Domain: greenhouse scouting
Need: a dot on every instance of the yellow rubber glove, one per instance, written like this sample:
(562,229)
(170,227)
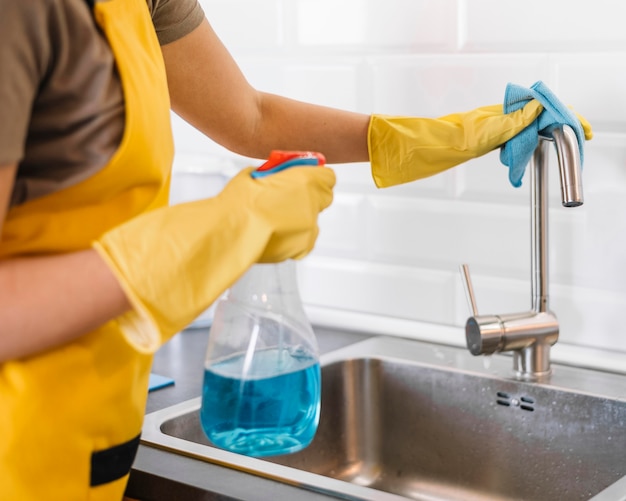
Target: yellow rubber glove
(403,149)
(174,262)
(585,124)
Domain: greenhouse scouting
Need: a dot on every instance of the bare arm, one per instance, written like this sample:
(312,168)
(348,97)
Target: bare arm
(48,301)
(209,91)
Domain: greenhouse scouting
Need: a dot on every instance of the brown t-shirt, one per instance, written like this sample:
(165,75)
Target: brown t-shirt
(61,99)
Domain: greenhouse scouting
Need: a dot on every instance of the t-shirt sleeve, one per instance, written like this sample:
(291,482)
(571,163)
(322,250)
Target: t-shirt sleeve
(24,60)
(173,19)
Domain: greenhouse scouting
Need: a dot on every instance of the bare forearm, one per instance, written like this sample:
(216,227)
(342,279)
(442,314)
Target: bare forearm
(293,125)
(208,90)
(48,301)
(286,124)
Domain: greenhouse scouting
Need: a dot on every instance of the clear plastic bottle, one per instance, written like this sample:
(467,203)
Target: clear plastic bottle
(261,391)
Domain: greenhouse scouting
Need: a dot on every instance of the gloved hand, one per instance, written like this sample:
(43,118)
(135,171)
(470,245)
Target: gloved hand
(517,152)
(403,149)
(175,261)
(587,129)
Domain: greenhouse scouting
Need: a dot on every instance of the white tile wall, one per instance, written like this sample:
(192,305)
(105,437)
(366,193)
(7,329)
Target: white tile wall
(537,25)
(394,253)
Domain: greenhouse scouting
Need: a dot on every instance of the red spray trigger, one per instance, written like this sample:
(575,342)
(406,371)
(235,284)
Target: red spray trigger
(281,160)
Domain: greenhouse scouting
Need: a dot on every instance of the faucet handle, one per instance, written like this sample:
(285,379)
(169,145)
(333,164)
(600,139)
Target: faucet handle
(469,290)
(483,334)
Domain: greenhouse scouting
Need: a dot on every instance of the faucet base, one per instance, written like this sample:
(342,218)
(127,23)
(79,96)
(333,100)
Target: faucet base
(532,363)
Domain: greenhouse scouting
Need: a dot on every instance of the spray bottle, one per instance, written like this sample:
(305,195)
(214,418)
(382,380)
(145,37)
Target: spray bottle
(262,383)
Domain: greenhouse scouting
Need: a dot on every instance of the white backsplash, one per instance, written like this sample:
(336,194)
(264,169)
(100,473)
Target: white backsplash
(394,254)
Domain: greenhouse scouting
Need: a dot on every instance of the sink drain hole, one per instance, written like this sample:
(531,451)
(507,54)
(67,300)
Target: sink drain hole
(507,400)
(503,399)
(527,404)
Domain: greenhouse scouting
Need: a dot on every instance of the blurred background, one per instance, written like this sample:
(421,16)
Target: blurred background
(387,260)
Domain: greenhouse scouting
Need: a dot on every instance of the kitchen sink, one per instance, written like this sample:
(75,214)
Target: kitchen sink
(403,419)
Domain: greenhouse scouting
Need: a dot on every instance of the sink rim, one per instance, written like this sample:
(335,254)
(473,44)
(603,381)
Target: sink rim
(565,378)
(153,436)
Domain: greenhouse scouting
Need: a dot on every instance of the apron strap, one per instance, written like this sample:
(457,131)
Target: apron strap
(114,463)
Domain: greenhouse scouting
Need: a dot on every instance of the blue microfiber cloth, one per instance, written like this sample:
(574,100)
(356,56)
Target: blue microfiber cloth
(517,152)
(157,381)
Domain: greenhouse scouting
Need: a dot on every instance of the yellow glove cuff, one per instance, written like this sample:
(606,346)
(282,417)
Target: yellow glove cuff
(404,149)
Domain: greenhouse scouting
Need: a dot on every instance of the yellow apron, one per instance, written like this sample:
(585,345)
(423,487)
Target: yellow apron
(70,417)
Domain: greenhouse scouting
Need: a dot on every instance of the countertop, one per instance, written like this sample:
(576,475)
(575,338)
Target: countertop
(160,475)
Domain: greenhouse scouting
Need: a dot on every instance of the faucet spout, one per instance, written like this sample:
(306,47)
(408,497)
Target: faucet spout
(568,156)
(530,335)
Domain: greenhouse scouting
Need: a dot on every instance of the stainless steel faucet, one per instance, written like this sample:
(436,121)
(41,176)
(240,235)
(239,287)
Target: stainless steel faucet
(530,334)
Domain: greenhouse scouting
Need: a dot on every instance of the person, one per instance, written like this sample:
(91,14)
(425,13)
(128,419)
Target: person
(96,271)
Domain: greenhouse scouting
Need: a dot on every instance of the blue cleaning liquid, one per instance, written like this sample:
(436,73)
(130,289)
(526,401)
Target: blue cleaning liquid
(271,412)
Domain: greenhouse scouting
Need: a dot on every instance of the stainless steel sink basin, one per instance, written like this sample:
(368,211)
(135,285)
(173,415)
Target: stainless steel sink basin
(403,419)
